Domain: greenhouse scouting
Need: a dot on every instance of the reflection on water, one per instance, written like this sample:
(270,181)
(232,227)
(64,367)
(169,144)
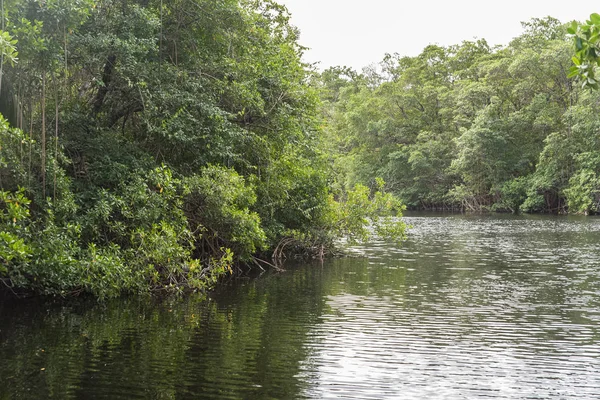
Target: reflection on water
(469,307)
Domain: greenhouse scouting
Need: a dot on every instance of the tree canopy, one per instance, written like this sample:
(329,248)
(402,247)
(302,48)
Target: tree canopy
(474,127)
(151,145)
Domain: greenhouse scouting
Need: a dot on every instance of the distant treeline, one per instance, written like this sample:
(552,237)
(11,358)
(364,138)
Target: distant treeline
(472,127)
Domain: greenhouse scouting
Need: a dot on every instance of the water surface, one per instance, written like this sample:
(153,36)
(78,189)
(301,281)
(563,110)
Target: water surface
(495,307)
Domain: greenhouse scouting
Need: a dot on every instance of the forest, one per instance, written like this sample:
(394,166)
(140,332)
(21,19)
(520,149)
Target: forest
(475,128)
(157,146)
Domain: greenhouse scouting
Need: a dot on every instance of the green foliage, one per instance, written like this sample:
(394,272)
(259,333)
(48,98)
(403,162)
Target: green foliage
(513,194)
(156,144)
(14,212)
(217,204)
(467,127)
(8,49)
(583,193)
(587,50)
(359,216)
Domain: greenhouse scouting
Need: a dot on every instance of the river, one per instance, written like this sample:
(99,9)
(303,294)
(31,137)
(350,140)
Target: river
(491,307)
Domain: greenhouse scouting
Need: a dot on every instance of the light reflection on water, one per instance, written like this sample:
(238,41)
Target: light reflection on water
(495,307)
(470,307)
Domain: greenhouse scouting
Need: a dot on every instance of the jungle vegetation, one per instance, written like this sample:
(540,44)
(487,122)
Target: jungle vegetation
(149,145)
(474,127)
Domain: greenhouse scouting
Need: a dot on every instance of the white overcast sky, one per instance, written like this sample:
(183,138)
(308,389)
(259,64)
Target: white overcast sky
(357,33)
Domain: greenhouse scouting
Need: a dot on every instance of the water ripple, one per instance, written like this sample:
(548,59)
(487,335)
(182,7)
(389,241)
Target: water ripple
(493,308)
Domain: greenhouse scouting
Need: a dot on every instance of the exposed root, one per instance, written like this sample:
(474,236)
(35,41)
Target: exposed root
(9,288)
(258,262)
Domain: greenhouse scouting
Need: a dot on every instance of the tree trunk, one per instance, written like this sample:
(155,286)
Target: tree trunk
(106,78)
(44,133)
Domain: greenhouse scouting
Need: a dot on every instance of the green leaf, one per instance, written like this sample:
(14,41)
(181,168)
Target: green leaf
(576,61)
(578,44)
(595,18)
(573,28)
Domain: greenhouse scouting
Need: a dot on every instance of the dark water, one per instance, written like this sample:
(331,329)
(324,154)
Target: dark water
(469,307)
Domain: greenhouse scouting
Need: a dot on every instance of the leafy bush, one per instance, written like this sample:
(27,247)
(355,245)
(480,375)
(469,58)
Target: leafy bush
(217,205)
(14,213)
(513,194)
(358,217)
(583,193)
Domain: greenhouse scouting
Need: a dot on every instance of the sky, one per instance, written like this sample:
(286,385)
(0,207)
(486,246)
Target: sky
(358,33)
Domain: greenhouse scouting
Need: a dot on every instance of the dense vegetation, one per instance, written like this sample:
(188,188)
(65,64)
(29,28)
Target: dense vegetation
(151,145)
(475,127)
(159,145)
